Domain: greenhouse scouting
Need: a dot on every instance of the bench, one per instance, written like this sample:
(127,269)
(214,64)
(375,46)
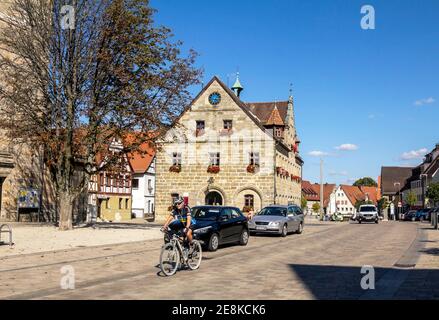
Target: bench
(9,230)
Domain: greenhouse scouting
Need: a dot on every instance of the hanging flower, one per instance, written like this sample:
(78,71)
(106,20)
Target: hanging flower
(213,169)
(175,168)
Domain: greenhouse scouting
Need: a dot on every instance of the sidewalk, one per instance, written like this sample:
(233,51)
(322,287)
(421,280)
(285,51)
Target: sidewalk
(33,238)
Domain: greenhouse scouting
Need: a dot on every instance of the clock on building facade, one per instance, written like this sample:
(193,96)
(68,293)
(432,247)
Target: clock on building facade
(215,99)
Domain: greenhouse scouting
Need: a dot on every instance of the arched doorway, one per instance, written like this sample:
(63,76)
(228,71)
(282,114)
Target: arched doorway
(214,198)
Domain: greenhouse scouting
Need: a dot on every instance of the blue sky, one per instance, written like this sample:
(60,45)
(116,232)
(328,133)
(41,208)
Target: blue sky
(376,89)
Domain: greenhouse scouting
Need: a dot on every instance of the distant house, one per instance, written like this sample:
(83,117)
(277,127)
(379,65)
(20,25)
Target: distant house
(110,190)
(393,182)
(421,177)
(311,192)
(143,181)
(345,197)
(311,195)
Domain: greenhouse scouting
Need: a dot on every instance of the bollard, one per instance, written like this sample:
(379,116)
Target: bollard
(435,220)
(8,231)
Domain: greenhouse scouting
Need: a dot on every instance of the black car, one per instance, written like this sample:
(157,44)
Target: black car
(219,225)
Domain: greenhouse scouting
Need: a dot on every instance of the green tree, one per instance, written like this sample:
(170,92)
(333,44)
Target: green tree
(316,207)
(303,203)
(365,182)
(382,204)
(411,199)
(433,193)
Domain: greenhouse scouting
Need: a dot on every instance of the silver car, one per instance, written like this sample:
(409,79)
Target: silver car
(277,219)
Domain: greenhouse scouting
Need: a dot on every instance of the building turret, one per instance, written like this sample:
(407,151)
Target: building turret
(237,87)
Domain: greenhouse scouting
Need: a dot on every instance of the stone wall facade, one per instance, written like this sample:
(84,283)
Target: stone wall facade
(233,183)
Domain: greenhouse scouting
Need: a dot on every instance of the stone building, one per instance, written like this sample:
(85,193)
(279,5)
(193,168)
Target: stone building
(227,152)
(20,167)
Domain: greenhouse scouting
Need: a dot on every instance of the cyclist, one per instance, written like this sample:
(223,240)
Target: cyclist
(181,218)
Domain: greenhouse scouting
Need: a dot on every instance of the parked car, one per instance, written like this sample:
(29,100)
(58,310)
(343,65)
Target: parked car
(423,214)
(278,219)
(216,225)
(410,216)
(367,213)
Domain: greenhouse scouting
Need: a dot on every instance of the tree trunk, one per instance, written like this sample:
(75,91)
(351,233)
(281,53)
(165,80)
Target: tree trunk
(65,211)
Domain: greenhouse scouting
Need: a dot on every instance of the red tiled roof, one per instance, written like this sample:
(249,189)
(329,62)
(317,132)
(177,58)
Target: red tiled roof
(308,192)
(355,194)
(275,118)
(264,110)
(327,190)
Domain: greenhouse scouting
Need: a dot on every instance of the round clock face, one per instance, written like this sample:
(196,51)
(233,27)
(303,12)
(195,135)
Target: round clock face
(215,99)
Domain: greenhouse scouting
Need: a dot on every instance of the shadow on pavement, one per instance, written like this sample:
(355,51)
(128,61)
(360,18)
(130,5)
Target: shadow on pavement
(344,282)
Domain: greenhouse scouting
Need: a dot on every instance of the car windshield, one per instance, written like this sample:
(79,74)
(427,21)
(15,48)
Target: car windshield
(205,213)
(273,212)
(367,209)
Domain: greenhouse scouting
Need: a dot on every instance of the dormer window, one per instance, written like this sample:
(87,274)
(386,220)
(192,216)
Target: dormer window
(278,132)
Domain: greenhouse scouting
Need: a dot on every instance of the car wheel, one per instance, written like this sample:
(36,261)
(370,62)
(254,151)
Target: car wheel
(300,228)
(243,240)
(376,221)
(284,231)
(359,221)
(414,219)
(213,242)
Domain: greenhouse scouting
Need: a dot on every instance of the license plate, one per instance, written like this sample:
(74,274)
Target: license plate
(261,228)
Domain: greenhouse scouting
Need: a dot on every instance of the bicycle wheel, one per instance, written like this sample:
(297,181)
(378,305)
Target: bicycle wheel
(194,256)
(169,259)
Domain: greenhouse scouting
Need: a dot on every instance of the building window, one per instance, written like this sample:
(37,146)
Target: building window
(176,159)
(249,200)
(149,185)
(120,203)
(200,126)
(214,159)
(278,132)
(127,203)
(107,205)
(135,183)
(254,158)
(228,124)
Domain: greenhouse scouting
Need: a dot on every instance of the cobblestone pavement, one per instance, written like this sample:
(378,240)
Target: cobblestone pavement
(323,263)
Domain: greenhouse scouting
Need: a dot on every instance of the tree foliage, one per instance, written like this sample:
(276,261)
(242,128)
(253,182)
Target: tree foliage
(433,193)
(114,75)
(411,198)
(365,182)
(303,203)
(316,207)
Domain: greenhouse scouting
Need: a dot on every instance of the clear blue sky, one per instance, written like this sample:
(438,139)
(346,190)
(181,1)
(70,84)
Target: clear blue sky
(351,86)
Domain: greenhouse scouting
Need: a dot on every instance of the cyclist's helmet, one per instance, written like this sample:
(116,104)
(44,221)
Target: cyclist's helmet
(178,200)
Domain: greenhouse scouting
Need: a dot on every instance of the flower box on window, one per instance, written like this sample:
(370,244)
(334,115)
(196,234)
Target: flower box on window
(175,168)
(251,168)
(279,170)
(213,169)
(226,132)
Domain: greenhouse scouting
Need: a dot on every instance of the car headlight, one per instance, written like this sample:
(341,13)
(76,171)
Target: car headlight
(202,230)
(274,224)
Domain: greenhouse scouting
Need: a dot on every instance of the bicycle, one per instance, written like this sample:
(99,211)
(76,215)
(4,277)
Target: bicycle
(174,254)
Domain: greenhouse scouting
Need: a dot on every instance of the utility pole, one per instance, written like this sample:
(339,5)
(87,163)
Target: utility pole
(321,189)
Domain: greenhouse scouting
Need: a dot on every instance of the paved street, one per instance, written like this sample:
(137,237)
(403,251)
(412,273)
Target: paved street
(322,263)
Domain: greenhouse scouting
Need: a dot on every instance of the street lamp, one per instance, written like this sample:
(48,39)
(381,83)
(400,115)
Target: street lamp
(399,196)
(423,188)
